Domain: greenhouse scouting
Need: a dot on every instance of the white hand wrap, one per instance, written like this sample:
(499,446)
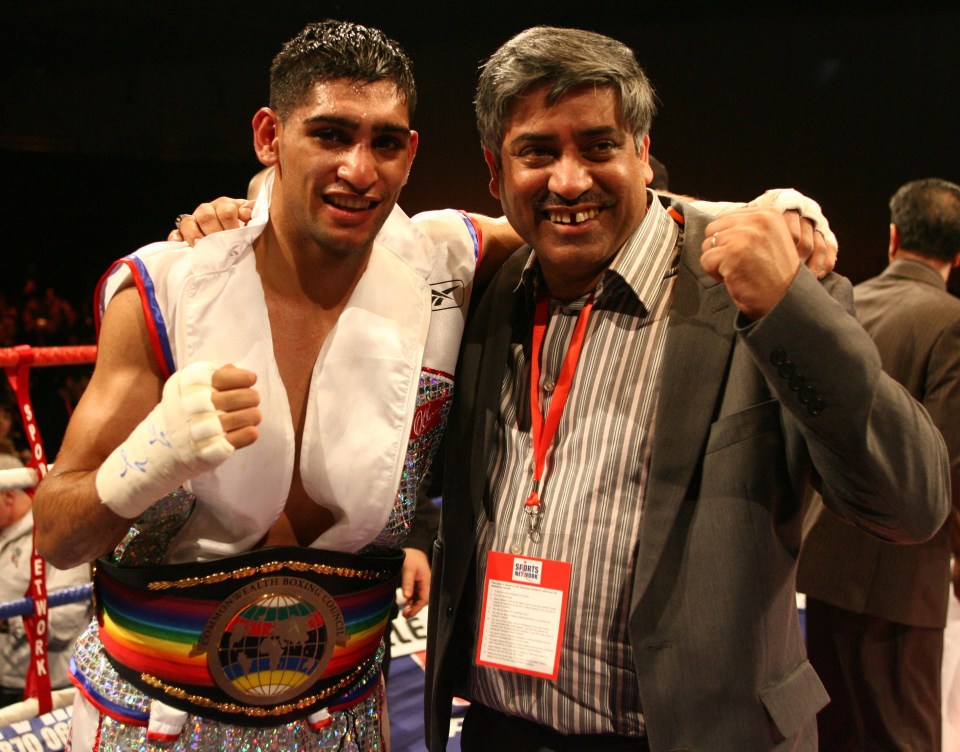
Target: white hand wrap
(787,199)
(180,438)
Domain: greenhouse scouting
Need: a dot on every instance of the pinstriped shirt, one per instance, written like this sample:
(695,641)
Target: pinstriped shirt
(593,482)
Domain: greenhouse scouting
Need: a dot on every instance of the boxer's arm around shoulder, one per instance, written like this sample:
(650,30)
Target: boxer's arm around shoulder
(500,241)
(72,525)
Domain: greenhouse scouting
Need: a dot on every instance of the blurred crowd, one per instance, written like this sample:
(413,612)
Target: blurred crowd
(38,315)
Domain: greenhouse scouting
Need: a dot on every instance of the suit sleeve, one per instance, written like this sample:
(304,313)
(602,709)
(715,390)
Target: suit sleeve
(941,399)
(942,390)
(878,458)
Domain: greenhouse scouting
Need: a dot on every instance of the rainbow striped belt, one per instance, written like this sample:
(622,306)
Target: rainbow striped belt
(265,637)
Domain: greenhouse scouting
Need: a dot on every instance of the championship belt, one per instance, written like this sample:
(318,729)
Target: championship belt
(262,638)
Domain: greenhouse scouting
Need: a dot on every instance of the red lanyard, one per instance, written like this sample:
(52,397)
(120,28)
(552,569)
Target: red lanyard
(544,428)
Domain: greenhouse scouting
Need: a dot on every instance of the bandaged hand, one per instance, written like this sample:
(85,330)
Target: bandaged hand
(814,240)
(788,199)
(816,244)
(204,415)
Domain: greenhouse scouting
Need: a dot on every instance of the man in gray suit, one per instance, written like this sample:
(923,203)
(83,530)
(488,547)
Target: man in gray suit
(876,611)
(644,404)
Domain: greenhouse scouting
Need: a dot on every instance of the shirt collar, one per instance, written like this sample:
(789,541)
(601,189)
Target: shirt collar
(909,268)
(18,529)
(647,257)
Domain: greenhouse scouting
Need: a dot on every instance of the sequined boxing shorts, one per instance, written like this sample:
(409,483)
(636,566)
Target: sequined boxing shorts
(263,638)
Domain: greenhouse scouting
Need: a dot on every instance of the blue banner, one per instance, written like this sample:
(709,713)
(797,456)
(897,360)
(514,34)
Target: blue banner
(48,732)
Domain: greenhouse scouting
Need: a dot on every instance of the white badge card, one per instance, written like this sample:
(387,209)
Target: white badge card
(523,614)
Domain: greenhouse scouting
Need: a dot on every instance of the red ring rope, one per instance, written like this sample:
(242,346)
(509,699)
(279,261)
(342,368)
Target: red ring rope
(16,363)
(47,356)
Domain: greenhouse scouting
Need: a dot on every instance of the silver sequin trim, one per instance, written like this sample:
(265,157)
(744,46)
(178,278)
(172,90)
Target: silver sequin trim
(420,453)
(357,728)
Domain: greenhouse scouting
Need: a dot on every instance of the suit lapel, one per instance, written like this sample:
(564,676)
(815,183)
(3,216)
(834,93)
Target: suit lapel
(699,342)
(507,320)
(701,323)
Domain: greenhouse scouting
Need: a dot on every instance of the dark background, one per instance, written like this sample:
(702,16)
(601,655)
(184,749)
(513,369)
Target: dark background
(119,115)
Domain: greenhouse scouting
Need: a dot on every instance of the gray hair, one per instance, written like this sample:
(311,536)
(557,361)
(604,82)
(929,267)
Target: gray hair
(927,215)
(330,50)
(563,59)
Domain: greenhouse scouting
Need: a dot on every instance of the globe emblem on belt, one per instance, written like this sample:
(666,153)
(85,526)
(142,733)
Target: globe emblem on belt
(271,641)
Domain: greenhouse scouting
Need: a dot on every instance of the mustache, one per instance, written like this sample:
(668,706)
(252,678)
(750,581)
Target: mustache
(553,201)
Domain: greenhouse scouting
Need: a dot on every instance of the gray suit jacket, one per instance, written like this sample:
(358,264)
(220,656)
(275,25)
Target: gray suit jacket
(746,421)
(915,323)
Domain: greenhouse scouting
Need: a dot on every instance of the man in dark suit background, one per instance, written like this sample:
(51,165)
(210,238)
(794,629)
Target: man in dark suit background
(876,611)
(715,382)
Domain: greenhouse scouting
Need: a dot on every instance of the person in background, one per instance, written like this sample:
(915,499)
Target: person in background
(876,611)
(65,622)
(6,429)
(645,402)
(661,177)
